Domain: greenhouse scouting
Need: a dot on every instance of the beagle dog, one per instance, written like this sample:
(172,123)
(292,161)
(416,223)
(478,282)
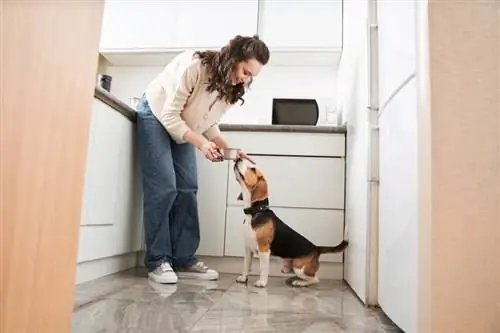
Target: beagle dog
(266,234)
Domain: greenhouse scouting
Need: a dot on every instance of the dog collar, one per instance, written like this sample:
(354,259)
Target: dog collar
(257,207)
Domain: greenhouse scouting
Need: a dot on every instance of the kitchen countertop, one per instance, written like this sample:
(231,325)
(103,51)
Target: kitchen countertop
(131,114)
(120,106)
(281,128)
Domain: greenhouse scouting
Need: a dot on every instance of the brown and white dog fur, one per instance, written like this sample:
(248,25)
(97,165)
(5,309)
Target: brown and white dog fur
(266,234)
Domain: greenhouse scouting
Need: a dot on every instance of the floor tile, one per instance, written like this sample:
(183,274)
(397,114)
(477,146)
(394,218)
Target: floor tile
(129,302)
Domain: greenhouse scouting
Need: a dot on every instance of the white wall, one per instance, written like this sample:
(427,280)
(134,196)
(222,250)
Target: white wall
(353,102)
(273,81)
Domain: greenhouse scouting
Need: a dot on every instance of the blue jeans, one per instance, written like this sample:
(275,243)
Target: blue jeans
(170,185)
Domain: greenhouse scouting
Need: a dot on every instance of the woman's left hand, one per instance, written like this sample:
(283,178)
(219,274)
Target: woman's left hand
(245,156)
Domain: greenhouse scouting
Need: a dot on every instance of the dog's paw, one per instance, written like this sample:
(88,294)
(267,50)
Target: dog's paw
(299,283)
(242,279)
(260,284)
(304,283)
(286,270)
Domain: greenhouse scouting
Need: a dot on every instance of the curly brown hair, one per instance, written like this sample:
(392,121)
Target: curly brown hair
(220,64)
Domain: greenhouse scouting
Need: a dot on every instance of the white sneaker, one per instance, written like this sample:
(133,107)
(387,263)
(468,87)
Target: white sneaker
(198,271)
(163,274)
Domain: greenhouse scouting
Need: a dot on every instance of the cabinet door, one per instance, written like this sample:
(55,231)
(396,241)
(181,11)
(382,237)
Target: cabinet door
(214,23)
(301,182)
(212,192)
(322,227)
(112,196)
(138,24)
(302,23)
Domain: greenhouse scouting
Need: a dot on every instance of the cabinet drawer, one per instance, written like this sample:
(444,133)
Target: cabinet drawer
(298,182)
(322,227)
(289,144)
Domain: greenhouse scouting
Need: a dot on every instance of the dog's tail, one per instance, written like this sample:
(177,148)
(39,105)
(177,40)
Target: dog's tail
(333,249)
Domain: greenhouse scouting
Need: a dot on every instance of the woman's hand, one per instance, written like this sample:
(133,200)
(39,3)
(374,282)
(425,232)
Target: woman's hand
(245,156)
(209,150)
(221,142)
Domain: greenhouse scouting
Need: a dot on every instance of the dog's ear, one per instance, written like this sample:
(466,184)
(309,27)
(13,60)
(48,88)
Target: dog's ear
(240,197)
(250,178)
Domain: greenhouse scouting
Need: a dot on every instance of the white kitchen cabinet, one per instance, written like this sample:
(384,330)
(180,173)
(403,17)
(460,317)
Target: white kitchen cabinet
(130,25)
(300,182)
(102,196)
(301,24)
(306,176)
(112,200)
(307,191)
(151,33)
(212,192)
(214,23)
(161,25)
(322,227)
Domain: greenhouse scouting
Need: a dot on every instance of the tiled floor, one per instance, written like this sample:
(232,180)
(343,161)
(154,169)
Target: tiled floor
(129,303)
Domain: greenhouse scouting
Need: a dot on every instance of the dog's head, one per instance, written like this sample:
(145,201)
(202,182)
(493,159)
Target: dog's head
(251,179)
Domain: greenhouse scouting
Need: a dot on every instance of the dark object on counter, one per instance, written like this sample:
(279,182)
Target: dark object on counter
(104,81)
(295,111)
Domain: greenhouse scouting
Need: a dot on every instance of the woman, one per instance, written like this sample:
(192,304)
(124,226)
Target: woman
(179,113)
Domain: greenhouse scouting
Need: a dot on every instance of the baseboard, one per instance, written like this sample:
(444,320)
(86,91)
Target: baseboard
(90,270)
(234,265)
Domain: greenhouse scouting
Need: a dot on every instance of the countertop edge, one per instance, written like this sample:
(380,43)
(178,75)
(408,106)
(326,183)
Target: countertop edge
(283,128)
(115,103)
(118,105)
